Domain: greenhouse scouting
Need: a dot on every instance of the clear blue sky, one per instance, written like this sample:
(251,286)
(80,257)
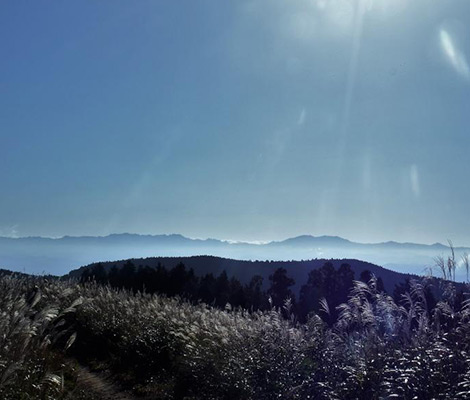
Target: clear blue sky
(245,120)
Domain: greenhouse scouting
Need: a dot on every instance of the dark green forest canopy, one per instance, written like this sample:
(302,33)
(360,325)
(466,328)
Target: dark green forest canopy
(324,289)
(245,270)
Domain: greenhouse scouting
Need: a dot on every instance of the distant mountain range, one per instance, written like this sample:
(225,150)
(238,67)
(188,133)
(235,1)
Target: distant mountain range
(59,256)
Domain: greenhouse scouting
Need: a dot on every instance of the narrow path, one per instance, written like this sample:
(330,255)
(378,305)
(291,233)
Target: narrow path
(99,386)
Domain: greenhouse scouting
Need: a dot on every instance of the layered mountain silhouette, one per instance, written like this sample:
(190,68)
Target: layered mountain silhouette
(59,256)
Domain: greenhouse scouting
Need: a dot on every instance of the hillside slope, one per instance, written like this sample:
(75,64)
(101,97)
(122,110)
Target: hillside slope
(245,270)
(58,256)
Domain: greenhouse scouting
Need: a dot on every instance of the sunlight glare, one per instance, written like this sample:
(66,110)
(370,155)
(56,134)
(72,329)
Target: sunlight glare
(456,58)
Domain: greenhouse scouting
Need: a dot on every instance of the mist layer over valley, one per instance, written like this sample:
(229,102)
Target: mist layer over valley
(59,256)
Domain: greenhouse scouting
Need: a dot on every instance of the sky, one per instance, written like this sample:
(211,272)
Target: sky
(243,120)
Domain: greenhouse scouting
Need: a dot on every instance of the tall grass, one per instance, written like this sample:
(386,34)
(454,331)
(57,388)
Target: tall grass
(166,348)
(33,321)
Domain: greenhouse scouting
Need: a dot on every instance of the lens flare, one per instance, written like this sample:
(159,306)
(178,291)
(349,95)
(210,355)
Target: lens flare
(454,56)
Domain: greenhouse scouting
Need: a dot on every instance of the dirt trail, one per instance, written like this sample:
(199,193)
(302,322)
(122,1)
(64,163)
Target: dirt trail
(99,386)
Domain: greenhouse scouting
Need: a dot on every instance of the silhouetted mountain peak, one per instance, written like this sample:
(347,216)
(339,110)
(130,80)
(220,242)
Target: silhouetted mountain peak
(440,246)
(58,255)
(309,240)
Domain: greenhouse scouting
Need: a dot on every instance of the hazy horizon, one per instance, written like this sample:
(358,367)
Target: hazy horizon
(254,120)
(259,241)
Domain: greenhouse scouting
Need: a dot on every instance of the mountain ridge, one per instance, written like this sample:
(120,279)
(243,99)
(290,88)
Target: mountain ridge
(59,255)
(178,236)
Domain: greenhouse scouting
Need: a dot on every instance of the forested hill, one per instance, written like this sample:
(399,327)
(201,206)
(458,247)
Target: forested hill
(245,270)
(58,256)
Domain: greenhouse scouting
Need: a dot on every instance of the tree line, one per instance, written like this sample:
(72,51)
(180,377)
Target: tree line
(325,289)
